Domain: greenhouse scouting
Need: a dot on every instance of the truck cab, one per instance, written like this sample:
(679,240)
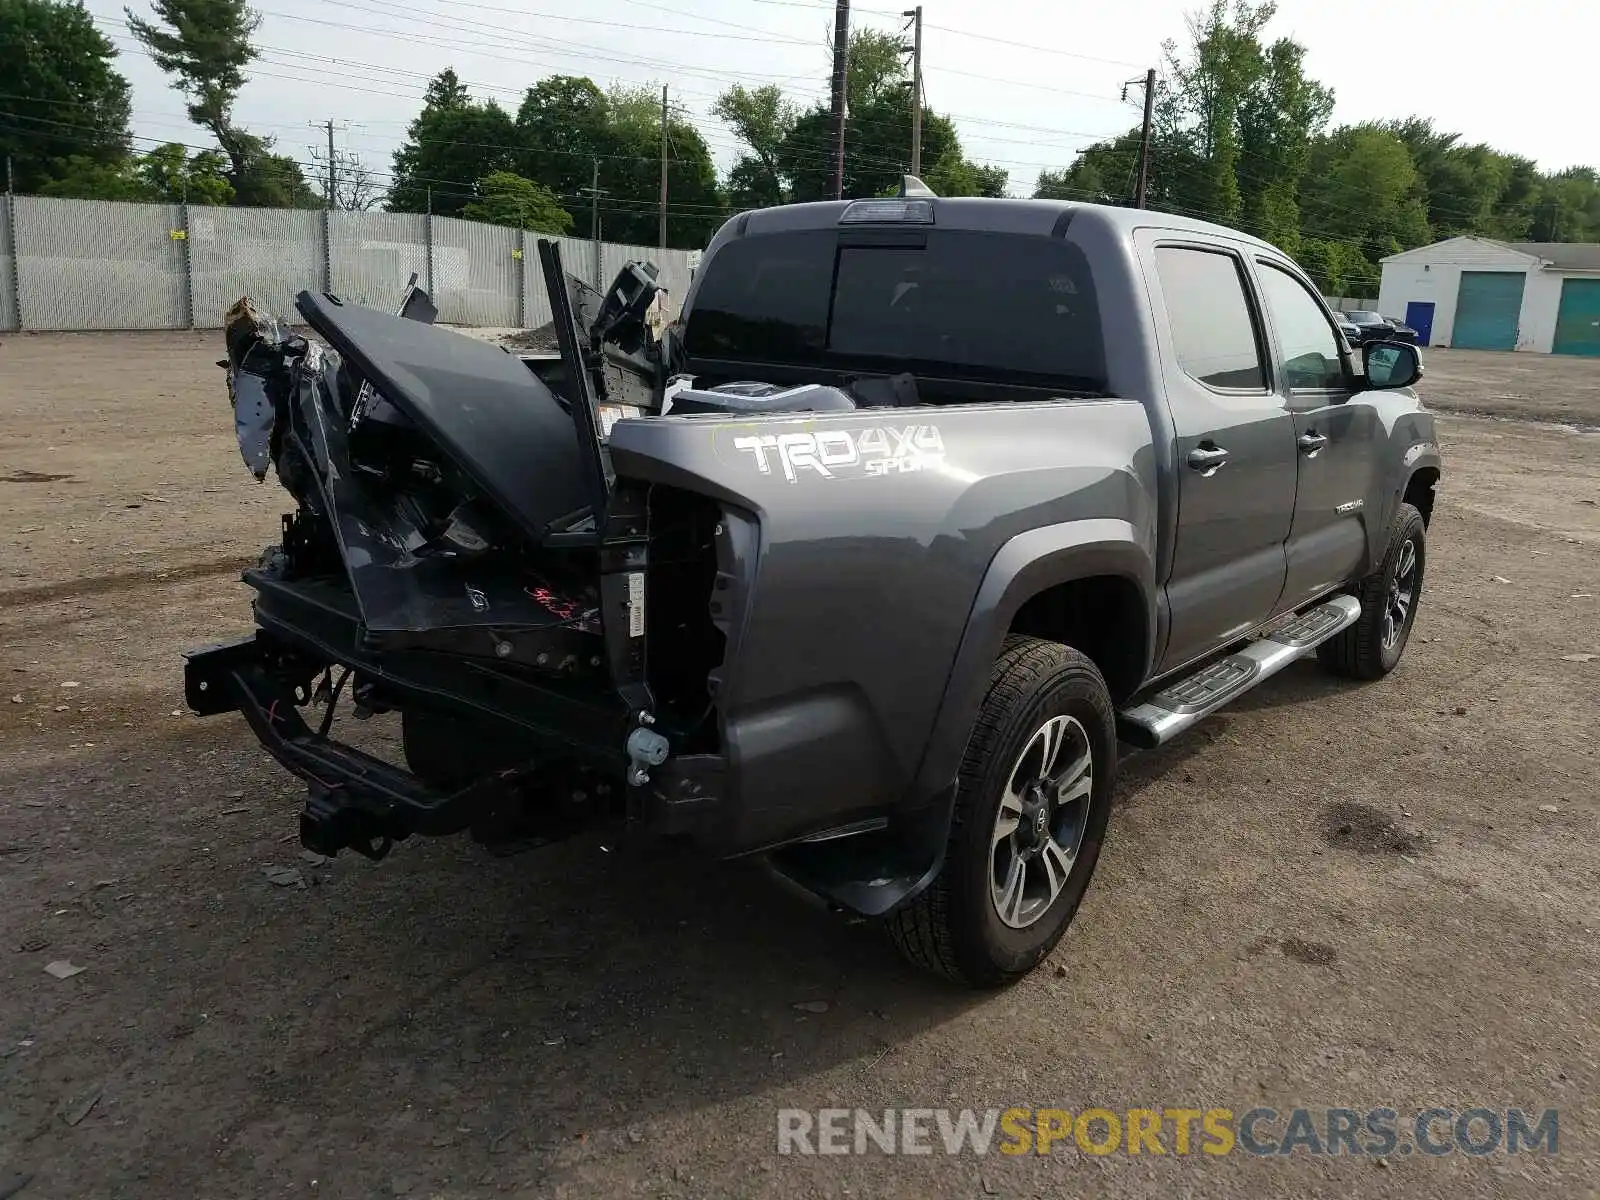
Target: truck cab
(873,565)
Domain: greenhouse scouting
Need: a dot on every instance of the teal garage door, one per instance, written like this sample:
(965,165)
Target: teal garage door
(1578,320)
(1487,308)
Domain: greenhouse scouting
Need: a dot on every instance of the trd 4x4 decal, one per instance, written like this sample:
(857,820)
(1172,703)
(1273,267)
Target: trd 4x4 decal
(836,453)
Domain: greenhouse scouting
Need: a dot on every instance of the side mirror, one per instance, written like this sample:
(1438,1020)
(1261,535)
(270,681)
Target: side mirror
(1391,364)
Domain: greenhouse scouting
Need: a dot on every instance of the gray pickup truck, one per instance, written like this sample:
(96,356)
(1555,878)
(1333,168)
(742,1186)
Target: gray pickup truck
(868,565)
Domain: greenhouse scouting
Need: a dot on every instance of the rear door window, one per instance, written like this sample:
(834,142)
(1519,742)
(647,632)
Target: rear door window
(1213,331)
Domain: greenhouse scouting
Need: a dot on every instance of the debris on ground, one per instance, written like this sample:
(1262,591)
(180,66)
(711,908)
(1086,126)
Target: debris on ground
(81,1109)
(542,339)
(32,943)
(812,1006)
(1579,657)
(1549,808)
(62,968)
(284,877)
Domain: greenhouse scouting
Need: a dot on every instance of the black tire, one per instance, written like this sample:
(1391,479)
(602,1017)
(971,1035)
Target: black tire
(1361,652)
(954,928)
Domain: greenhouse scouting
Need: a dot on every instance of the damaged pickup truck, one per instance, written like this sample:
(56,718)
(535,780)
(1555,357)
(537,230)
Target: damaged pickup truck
(868,565)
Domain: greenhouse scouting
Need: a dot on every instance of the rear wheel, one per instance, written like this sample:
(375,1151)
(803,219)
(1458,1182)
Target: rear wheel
(1372,647)
(1032,802)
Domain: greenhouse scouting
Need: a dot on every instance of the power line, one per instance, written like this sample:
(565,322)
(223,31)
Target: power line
(985,37)
(442,186)
(555,46)
(654,29)
(802,144)
(639,207)
(396,35)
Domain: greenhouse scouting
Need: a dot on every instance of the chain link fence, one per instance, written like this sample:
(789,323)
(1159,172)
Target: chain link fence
(1351,304)
(8,266)
(95,264)
(268,254)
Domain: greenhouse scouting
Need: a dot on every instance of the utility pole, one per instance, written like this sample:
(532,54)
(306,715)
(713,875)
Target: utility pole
(663,166)
(332,181)
(328,127)
(841,59)
(594,192)
(916,90)
(1141,194)
(11,248)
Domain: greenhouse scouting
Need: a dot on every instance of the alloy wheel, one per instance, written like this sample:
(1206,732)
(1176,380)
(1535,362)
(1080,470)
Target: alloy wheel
(1402,595)
(1039,827)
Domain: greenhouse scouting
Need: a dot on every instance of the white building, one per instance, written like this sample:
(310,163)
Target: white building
(1475,293)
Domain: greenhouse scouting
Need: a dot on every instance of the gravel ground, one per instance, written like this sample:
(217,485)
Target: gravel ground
(1327,895)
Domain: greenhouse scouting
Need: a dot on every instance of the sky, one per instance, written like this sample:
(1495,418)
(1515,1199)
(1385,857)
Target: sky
(1026,83)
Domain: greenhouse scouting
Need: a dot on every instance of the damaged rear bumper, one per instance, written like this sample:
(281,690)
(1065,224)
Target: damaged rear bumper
(355,800)
(358,801)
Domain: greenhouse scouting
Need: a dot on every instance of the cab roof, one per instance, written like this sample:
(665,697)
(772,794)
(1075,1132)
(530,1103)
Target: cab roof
(988,215)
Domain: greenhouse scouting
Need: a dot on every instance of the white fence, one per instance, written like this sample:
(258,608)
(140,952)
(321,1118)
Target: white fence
(94,264)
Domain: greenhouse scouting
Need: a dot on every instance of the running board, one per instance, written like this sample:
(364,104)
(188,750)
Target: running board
(1176,707)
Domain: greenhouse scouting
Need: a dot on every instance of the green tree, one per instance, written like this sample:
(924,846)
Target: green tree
(1104,173)
(877,149)
(1279,116)
(561,129)
(166,174)
(953,175)
(568,130)
(760,118)
(790,154)
(1568,208)
(450,145)
(267,180)
(1208,89)
(79,177)
(205,46)
(508,199)
(1364,189)
(169,173)
(695,205)
(875,64)
(65,108)
(1338,268)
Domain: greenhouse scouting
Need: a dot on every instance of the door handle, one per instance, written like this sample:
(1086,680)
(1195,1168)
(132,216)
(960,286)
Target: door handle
(1310,443)
(1207,459)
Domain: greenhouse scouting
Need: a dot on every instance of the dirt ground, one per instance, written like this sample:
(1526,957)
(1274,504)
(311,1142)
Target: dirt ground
(1328,895)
